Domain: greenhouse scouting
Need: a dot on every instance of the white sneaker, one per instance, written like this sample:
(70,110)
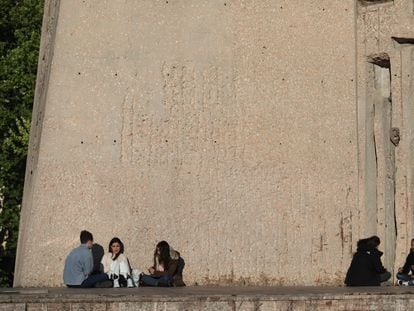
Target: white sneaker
(116,283)
(130,283)
(402,283)
(136,276)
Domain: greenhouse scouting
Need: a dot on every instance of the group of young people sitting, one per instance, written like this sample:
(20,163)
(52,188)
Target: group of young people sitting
(366,268)
(114,269)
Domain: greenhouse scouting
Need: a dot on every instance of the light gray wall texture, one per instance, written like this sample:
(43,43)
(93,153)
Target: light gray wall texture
(254,136)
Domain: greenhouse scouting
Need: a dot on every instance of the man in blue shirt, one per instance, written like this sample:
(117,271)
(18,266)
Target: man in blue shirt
(79,265)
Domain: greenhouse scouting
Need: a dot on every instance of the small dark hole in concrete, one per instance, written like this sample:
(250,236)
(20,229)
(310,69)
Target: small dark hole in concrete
(225,4)
(114,140)
(81,141)
(116,74)
(79,73)
(166,140)
(31,172)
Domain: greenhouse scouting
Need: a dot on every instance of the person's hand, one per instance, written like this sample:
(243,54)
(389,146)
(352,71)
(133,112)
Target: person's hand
(151,270)
(400,270)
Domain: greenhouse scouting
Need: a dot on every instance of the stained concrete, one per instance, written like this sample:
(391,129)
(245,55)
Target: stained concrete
(209,298)
(254,136)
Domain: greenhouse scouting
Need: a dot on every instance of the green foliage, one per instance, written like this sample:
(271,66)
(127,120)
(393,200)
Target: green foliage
(20,25)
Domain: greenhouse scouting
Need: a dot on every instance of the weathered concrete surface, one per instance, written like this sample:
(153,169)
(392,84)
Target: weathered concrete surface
(204,298)
(243,132)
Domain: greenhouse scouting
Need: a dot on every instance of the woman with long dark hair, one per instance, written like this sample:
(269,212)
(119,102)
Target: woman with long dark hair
(167,268)
(116,264)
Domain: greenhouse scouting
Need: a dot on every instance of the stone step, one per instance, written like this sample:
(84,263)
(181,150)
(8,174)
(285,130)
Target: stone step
(208,298)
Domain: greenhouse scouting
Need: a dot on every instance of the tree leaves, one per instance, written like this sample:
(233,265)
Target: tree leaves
(20,25)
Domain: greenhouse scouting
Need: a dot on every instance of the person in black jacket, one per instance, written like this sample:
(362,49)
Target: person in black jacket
(366,267)
(403,276)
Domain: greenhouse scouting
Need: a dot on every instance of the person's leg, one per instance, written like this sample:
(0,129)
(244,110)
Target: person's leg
(149,280)
(114,272)
(385,276)
(403,277)
(165,281)
(124,269)
(162,281)
(93,279)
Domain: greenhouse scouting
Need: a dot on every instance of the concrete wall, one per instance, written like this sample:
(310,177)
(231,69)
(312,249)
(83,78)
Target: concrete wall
(242,132)
(209,299)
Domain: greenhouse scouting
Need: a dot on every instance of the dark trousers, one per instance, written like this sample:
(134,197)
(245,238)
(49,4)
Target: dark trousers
(157,280)
(384,277)
(91,281)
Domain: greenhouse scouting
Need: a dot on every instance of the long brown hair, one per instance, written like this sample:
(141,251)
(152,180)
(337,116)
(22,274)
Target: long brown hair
(164,257)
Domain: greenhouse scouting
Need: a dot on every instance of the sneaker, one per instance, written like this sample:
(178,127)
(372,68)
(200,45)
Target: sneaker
(130,283)
(136,276)
(402,283)
(116,283)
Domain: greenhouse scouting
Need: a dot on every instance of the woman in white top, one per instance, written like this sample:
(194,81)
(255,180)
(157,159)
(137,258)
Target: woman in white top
(116,264)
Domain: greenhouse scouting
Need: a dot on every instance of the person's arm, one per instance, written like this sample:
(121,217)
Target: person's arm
(105,264)
(172,267)
(88,263)
(379,268)
(407,265)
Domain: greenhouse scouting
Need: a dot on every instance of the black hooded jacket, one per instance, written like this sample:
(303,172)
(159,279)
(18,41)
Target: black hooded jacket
(409,263)
(366,267)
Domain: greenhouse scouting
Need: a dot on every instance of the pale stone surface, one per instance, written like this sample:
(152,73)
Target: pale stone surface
(251,135)
(213,298)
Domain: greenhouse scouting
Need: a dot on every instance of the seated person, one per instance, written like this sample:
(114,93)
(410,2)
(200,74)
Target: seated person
(116,264)
(79,265)
(403,276)
(167,268)
(366,267)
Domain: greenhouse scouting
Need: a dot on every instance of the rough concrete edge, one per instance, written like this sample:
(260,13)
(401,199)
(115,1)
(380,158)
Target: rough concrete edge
(49,24)
(151,298)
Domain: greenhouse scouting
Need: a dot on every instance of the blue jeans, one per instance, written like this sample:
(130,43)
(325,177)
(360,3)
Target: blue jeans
(91,281)
(405,277)
(154,280)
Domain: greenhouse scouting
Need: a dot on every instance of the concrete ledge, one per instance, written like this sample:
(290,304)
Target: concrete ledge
(209,298)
